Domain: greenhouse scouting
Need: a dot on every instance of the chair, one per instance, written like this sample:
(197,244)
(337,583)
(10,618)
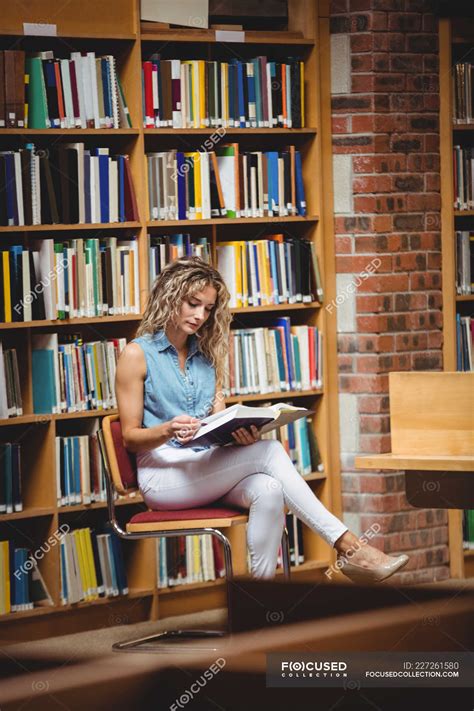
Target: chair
(121,477)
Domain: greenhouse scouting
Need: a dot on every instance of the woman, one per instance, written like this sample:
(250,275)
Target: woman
(168,379)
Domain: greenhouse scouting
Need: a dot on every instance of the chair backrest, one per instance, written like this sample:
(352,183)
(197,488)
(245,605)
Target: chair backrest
(122,463)
(432,413)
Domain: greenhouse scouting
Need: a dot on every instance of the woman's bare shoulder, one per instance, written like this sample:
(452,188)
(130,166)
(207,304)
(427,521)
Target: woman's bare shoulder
(132,356)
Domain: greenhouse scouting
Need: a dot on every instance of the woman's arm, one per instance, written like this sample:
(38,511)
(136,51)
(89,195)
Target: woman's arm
(219,401)
(129,378)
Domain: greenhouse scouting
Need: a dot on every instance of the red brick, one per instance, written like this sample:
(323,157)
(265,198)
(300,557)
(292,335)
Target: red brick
(431,143)
(346,343)
(374,444)
(383,283)
(410,302)
(357,5)
(357,265)
(382,223)
(434,260)
(391,163)
(404,21)
(374,404)
(435,339)
(374,304)
(425,281)
(390,123)
(372,184)
(372,324)
(345,363)
(362,83)
(363,164)
(363,384)
(432,182)
(343,245)
(365,204)
(363,123)
(419,203)
(382,363)
(341,124)
(413,261)
(411,341)
(375,344)
(427,320)
(362,63)
(362,42)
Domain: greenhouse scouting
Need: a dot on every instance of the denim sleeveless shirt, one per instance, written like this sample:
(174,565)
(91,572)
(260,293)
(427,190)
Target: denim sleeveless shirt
(168,391)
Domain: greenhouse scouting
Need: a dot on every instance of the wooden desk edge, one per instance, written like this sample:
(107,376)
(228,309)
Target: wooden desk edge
(409,462)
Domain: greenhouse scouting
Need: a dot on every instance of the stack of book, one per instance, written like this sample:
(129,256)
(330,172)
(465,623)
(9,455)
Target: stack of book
(283,357)
(68,184)
(22,587)
(258,93)
(463,94)
(10,478)
(463,178)
(69,279)
(10,388)
(71,376)
(80,475)
(164,249)
(274,270)
(468,529)
(465,342)
(188,559)
(41,91)
(465,262)
(92,566)
(225,182)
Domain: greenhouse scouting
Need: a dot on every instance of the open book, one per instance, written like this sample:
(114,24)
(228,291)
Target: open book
(217,428)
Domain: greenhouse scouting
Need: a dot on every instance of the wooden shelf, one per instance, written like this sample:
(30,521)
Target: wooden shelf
(463,126)
(463,213)
(187,587)
(276,307)
(69,131)
(30,512)
(231,131)
(71,508)
(230,221)
(40,418)
(67,228)
(419,463)
(58,323)
(284,394)
(465,297)
(209,36)
(316,476)
(52,609)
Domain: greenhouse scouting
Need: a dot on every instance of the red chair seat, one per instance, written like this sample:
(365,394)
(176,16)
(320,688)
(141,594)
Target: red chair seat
(184,515)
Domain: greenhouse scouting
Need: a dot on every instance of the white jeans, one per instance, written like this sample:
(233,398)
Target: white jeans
(259,477)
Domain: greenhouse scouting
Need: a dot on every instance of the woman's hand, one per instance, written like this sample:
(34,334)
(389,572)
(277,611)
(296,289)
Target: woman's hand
(183,427)
(245,436)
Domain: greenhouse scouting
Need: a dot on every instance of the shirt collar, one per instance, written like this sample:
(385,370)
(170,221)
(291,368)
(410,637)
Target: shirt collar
(162,342)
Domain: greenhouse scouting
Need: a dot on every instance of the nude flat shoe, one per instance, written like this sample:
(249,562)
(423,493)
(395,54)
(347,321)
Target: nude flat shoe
(359,574)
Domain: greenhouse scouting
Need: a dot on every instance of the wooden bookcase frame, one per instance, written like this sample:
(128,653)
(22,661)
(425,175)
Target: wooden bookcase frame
(86,24)
(461,561)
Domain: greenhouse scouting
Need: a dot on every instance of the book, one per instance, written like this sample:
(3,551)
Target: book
(217,429)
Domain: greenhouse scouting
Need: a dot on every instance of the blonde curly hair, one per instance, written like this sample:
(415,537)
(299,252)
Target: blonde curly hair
(183,278)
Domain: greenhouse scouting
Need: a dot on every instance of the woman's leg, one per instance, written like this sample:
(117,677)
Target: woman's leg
(186,479)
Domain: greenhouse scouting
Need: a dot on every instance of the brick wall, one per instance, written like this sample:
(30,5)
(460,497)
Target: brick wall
(385,110)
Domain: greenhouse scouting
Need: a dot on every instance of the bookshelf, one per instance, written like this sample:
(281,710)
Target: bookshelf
(455,38)
(114,27)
